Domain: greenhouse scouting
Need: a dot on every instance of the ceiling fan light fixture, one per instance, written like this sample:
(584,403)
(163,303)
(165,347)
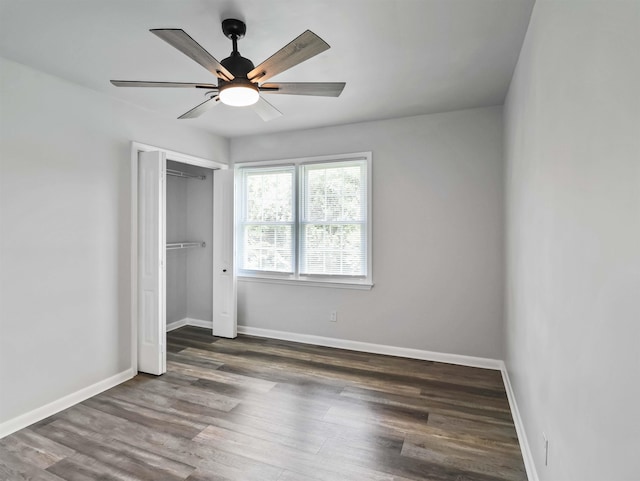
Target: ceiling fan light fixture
(239,95)
(234,87)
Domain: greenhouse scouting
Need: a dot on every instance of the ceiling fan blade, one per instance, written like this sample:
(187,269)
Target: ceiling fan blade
(181,40)
(201,109)
(302,48)
(322,89)
(265,110)
(136,83)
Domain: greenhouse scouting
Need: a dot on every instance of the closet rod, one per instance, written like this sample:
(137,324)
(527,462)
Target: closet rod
(185,245)
(177,173)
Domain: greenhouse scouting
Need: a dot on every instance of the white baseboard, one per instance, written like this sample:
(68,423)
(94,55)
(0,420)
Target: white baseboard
(471,361)
(527,456)
(38,414)
(187,321)
(172,326)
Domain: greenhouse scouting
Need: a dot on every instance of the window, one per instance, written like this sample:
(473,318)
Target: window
(267,225)
(306,221)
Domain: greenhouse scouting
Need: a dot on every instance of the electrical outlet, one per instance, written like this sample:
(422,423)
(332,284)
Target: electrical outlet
(546,449)
(333,316)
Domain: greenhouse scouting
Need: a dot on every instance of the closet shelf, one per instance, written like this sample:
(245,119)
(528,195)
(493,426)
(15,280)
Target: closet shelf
(184,245)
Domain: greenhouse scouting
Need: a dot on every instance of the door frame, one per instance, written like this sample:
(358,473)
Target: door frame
(137,147)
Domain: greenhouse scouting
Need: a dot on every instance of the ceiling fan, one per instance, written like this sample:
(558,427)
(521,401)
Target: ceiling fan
(238,80)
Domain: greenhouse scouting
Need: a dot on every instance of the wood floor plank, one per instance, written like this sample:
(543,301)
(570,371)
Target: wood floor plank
(184,358)
(460,426)
(461,408)
(117,456)
(118,428)
(191,394)
(34,449)
(253,409)
(285,457)
(464,456)
(84,468)
(259,385)
(14,468)
(152,418)
(176,448)
(398,465)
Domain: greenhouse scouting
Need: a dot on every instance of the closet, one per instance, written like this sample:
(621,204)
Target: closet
(189,245)
(182,250)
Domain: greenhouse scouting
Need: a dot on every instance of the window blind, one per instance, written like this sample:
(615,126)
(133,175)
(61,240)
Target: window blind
(333,219)
(267,219)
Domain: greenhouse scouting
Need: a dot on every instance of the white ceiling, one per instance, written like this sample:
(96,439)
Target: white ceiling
(398,57)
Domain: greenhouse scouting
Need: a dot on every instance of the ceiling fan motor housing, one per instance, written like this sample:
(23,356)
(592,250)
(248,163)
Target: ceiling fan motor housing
(238,65)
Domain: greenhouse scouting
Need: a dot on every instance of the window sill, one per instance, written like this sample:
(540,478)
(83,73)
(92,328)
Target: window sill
(362,286)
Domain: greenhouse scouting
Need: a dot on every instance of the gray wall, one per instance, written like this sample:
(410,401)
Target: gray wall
(572,149)
(200,260)
(437,236)
(65,213)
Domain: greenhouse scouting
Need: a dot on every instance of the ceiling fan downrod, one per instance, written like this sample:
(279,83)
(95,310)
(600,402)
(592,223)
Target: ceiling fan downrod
(234,29)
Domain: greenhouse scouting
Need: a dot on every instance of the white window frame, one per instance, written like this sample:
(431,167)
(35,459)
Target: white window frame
(346,282)
(241,223)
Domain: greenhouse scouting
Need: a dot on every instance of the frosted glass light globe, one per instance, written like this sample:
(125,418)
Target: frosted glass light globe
(239,96)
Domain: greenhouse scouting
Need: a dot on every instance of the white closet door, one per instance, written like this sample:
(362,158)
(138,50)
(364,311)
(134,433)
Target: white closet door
(151,262)
(224,278)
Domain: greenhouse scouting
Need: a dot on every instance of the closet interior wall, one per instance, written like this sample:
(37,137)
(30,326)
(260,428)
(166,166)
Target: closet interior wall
(189,270)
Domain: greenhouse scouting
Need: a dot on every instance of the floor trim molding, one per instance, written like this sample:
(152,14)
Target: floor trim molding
(471,361)
(188,321)
(527,456)
(38,414)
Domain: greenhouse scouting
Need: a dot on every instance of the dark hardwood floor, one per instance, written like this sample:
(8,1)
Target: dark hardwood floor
(265,410)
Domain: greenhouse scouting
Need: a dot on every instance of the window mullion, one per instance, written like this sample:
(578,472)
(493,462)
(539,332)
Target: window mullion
(297,210)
